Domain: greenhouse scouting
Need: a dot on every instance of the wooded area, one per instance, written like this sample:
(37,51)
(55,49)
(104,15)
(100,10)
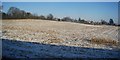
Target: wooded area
(16,13)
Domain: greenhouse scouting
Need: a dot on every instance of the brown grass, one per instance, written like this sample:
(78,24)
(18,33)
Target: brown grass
(55,40)
(105,41)
(51,32)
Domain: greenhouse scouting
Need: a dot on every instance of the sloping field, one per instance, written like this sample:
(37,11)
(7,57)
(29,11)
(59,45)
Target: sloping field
(41,38)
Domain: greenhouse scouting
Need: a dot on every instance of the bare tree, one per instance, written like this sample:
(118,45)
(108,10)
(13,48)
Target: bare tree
(50,17)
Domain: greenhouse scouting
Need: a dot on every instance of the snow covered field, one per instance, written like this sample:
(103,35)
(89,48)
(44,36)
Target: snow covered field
(30,38)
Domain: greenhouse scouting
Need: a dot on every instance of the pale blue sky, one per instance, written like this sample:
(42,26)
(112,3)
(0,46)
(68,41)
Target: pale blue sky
(86,10)
(59,0)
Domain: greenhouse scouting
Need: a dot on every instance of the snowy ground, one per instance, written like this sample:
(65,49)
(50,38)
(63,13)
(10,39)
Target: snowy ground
(50,39)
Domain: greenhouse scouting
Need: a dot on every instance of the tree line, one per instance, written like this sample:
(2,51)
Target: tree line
(16,13)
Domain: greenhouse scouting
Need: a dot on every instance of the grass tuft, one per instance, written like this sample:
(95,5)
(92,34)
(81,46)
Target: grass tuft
(105,41)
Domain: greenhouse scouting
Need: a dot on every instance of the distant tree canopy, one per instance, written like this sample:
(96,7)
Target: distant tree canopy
(50,17)
(42,17)
(111,22)
(67,19)
(16,13)
(104,22)
(79,19)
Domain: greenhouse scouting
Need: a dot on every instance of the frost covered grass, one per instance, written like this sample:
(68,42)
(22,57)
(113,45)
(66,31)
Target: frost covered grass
(58,39)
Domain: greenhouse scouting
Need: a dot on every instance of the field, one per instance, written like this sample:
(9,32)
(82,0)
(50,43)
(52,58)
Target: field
(49,39)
